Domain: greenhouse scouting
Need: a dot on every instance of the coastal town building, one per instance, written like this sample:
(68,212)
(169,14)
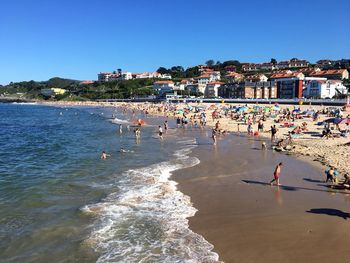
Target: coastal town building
(163,86)
(234,77)
(249,90)
(249,67)
(290,85)
(230,68)
(269,66)
(309,71)
(332,74)
(266,66)
(325,63)
(112,76)
(293,63)
(52,92)
(324,89)
(184,83)
(257,78)
(104,76)
(208,76)
(120,76)
(212,89)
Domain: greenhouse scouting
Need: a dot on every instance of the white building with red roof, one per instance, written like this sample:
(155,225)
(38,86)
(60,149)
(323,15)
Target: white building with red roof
(163,86)
(323,88)
(332,74)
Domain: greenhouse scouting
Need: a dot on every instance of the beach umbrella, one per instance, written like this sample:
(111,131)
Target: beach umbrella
(309,112)
(179,111)
(266,109)
(276,107)
(296,110)
(333,120)
(345,121)
(242,108)
(139,122)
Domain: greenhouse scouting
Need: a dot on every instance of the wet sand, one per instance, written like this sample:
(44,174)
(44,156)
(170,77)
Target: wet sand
(251,221)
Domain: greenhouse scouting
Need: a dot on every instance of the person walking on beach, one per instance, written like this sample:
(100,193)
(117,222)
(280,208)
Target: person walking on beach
(165,126)
(160,132)
(277,174)
(273,133)
(178,122)
(213,136)
(260,126)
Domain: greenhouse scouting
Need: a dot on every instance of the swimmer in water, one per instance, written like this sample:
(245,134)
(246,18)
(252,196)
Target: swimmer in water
(120,128)
(104,155)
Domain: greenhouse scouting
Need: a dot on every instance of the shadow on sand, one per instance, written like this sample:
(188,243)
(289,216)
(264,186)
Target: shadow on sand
(283,187)
(296,188)
(330,212)
(312,180)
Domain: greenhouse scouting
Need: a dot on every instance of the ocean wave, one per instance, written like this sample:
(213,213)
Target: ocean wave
(119,121)
(25,103)
(146,220)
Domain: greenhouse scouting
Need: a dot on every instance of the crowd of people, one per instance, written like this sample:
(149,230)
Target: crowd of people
(287,124)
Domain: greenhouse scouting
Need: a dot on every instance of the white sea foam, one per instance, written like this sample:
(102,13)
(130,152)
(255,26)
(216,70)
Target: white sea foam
(119,121)
(146,220)
(25,103)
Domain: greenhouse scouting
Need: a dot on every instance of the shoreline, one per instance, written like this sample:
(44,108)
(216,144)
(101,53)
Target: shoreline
(217,207)
(306,147)
(246,220)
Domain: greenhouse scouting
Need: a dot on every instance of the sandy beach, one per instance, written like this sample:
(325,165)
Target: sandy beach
(248,220)
(245,218)
(331,152)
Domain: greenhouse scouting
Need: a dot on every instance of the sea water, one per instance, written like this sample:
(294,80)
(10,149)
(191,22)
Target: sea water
(59,202)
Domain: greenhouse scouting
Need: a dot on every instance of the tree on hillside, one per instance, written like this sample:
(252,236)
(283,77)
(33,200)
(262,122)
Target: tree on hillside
(210,63)
(235,63)
(192,72)
(162,70)
(177,68)
(119,71)
(273,61)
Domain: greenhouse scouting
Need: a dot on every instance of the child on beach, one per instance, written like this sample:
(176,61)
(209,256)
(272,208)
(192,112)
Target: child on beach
(277,174)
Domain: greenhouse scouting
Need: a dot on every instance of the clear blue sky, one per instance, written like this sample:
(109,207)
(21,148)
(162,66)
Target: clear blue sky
(77,39)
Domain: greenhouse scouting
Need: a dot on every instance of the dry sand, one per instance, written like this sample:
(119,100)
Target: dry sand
(302,221)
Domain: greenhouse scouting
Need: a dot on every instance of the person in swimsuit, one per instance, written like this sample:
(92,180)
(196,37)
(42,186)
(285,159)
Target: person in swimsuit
(277,174)
(160,132)
(213,136)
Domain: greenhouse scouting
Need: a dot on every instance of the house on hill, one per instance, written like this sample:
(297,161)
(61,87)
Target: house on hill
(332,74)
(257,78)
(163,86)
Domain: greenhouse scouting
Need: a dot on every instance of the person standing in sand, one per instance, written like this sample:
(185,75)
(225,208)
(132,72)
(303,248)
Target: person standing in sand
(277,174)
